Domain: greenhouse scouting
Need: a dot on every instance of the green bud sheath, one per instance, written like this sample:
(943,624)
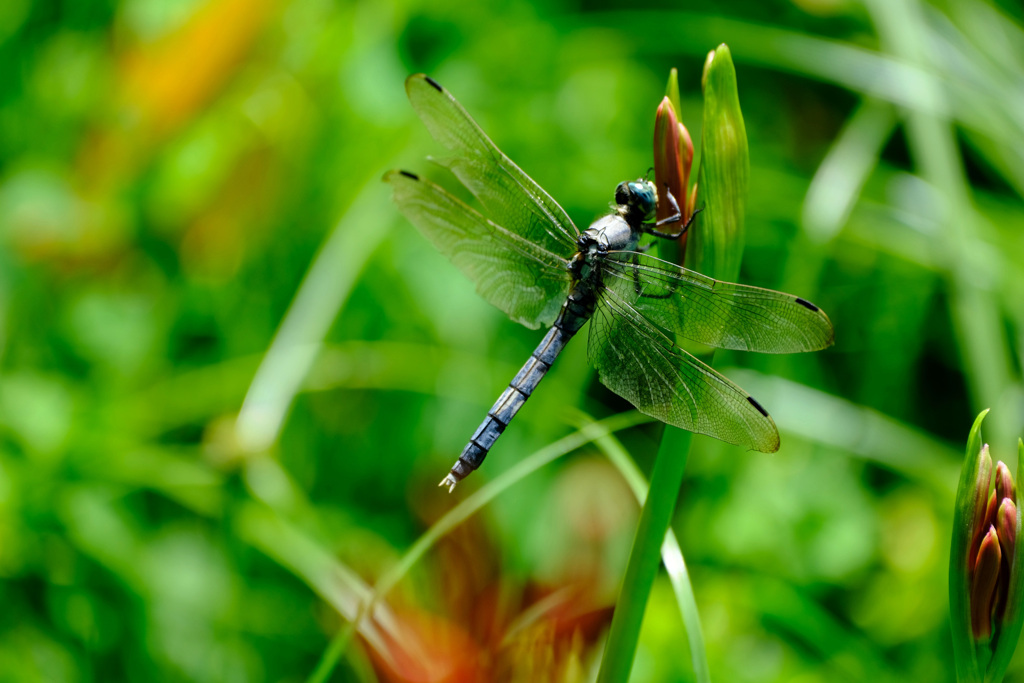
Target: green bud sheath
(968,513)
(716,247)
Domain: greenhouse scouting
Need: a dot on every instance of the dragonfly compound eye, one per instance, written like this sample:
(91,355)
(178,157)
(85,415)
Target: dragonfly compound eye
(622,194)
(645,198)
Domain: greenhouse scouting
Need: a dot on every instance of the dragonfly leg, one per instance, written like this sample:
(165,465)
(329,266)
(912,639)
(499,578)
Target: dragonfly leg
(672,219)
(676,216)
(639,288)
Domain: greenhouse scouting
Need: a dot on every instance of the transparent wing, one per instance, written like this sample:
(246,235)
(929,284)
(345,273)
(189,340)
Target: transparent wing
(512,199)
(719,314)
(521,278)
(639,363)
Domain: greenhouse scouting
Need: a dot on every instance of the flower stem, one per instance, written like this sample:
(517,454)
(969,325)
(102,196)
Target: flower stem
(645,556)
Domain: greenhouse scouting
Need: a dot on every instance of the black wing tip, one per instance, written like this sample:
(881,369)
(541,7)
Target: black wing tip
(396,172)
(414,78)
(814,309)
(757,405)
(807,304)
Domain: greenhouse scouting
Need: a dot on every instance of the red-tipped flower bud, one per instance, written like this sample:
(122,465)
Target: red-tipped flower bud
(986,590)
(673,159)
(983,585)
(1006,526)
(1004,482)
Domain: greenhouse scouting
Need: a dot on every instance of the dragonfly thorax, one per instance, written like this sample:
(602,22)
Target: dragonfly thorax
(608,233)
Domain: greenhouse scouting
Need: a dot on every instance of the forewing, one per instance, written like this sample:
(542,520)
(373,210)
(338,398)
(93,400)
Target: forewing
(720,314)
(521,278)
(642,365)
(511,197)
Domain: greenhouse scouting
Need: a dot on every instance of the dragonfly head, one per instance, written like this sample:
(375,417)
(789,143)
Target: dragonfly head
(637,199)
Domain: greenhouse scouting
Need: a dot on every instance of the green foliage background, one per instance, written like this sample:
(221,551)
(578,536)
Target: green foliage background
(192,220)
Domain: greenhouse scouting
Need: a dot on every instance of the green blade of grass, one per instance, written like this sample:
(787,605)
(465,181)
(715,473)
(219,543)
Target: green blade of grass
(837,184)
(321,295)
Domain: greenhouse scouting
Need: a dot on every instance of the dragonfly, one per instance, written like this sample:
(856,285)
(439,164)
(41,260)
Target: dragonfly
(529,259)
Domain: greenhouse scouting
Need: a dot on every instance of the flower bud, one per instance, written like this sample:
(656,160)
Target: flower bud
(1004,481)
(1006,525)
(673,159)
(985,587)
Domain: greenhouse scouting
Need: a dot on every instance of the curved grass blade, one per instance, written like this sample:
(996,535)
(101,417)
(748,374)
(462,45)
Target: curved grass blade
(262,528)
(833,422)
(321,295)
(841,175)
